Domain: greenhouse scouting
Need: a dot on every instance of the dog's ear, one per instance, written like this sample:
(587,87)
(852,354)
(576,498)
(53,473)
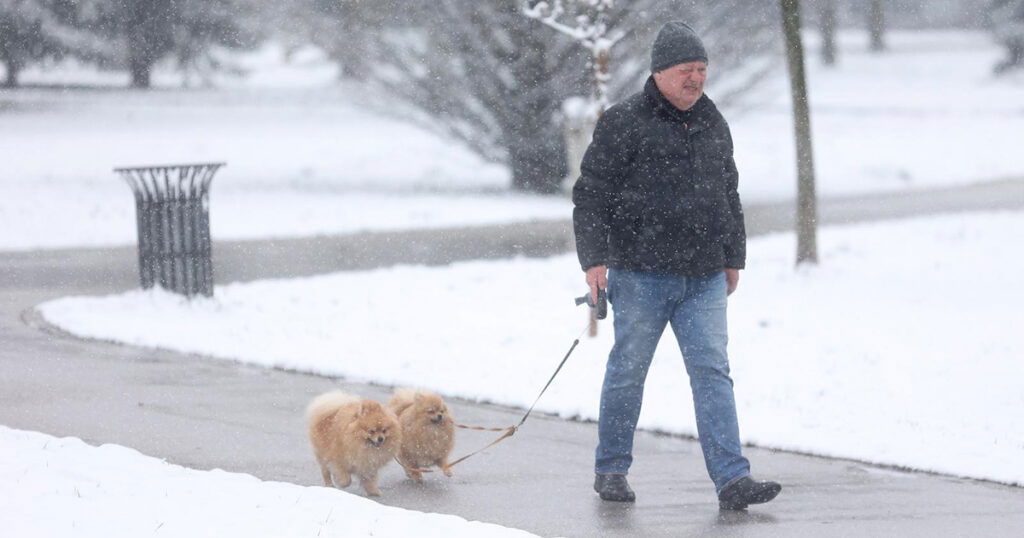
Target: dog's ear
(417,397)
(364,408)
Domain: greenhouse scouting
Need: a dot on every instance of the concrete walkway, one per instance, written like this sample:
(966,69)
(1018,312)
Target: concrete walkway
(206,413)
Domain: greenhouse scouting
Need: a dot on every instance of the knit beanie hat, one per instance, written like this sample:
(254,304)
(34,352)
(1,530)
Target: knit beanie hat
(676,43)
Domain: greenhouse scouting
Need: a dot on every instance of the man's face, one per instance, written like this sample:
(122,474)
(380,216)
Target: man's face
(682,84)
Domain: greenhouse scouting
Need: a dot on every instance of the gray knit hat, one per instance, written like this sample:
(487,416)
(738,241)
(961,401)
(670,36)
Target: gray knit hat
(676,43)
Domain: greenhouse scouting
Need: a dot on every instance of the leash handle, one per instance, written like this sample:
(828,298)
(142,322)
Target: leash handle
(601,305)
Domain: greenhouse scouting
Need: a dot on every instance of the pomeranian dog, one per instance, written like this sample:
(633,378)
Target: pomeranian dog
(428,433)
(352,436)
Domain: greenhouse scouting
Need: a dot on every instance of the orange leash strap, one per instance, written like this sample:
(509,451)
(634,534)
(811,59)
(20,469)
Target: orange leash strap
(480,428)
(509,432)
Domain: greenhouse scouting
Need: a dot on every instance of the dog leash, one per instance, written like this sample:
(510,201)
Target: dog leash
(511,430)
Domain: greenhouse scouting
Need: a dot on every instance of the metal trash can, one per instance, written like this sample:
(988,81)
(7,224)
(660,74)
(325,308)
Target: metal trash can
(172,209)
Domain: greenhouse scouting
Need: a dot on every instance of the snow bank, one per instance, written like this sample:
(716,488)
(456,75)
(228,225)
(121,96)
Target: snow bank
(64,487)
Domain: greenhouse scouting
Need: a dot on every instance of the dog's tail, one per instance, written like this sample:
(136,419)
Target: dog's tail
(328,403)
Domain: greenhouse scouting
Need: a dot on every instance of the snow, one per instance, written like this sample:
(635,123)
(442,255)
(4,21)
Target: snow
(65,487)
(322,159)
(319,166)
(902,347)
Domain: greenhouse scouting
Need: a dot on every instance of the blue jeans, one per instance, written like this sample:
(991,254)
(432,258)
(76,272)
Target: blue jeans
(695,306)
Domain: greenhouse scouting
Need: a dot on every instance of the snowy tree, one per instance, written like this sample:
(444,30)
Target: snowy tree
(482,72)
(586,23)
(32,31)
(22,38)
(346,30)
(204,25)
(151,30)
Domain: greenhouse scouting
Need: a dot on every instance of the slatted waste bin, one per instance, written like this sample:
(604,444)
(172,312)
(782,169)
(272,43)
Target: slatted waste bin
(172,209)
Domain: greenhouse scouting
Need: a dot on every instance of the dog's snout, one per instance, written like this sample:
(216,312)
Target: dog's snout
(439,418)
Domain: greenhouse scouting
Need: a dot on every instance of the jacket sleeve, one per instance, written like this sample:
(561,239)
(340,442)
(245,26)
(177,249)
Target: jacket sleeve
(736,241)
(605,165)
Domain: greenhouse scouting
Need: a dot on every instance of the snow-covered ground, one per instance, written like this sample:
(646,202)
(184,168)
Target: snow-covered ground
(303,159)
(902,347)
(64,487)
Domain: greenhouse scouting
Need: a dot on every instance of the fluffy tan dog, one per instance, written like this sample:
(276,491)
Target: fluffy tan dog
(352,436)
(428,433)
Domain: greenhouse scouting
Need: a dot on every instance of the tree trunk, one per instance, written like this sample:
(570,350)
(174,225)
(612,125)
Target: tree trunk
(600,80)
(12,69)
(150,37)
(807,249)
(876,25)
(140,69)
(827,24)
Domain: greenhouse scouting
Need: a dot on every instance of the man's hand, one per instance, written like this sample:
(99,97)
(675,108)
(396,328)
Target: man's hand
(732,279)
(597,278)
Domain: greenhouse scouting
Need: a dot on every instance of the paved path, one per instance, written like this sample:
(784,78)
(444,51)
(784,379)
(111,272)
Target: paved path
(207,413)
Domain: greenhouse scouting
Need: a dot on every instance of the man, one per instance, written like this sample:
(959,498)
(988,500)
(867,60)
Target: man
(657,204)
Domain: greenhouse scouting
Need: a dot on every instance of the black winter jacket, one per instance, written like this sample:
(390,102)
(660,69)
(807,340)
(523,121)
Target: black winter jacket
(658,190)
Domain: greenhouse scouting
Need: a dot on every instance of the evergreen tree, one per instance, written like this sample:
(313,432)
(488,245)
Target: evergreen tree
(151,30)
(32,31)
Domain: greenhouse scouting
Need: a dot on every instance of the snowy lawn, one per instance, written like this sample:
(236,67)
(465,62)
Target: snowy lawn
(902,347)
(927,113)
(303,159)
(64,487)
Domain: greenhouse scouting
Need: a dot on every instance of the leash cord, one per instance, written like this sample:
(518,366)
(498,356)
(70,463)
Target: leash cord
(575,343)
(511,430)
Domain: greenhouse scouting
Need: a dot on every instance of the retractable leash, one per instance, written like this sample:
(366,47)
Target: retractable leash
(602,312)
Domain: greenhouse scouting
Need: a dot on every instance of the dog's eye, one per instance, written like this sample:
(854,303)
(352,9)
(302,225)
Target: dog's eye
(373,432)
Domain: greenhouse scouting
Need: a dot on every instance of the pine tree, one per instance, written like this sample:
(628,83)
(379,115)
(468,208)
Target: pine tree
(32,31)
(151,30)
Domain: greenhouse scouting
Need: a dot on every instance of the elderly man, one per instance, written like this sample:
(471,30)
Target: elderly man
(658,223)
